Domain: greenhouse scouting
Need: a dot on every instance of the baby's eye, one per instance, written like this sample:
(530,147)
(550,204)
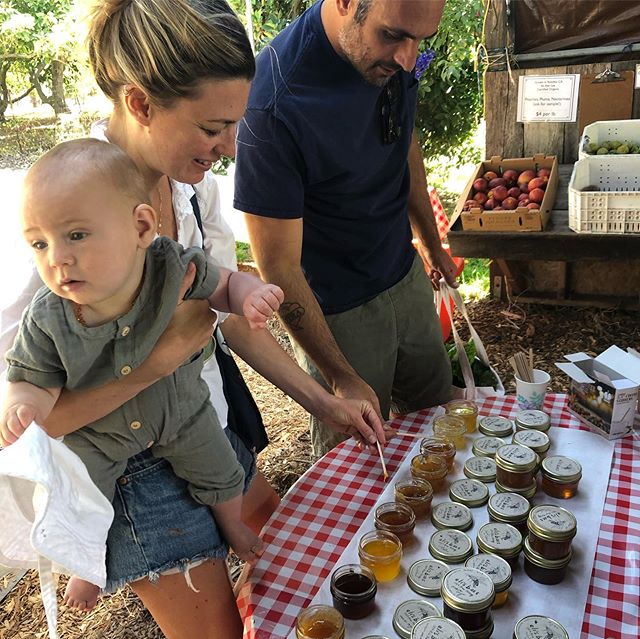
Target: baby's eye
(77,235)
(38,245)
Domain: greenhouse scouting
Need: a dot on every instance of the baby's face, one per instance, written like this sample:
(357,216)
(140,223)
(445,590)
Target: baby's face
(83,236)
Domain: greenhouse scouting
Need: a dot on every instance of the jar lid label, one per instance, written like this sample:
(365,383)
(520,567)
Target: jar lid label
(509,504)
(469,490)
(496,568)
(500,536)
(425,576)
(532,418)
(539,627)
(488,444)
(561,467)
(481,466)
(450,543)
(553,518)
(451,514)
(437,627)
(531,438)
(408,613)
(496,423)
(516,454)
(466,585)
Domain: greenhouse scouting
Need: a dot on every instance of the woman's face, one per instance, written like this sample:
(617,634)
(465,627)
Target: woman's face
(186,138)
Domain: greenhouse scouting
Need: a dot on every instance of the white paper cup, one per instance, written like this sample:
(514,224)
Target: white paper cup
(530,395)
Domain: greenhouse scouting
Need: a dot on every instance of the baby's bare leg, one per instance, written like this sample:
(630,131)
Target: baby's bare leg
(245,543)
(81,594)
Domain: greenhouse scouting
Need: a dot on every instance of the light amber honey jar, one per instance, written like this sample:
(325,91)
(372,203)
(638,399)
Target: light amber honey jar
(466,409)
(320,622)
(431,468)
(415,493)
(439,446)
(451,428)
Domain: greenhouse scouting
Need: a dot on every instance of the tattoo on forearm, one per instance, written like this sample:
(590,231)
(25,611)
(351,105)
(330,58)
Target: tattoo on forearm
(292,313)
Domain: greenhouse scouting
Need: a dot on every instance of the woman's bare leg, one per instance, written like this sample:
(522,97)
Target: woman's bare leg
(182,613)
(259,503)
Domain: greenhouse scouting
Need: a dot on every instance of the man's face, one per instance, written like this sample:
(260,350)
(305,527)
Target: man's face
(388,38)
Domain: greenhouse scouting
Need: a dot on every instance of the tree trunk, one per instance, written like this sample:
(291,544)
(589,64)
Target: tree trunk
(58,101)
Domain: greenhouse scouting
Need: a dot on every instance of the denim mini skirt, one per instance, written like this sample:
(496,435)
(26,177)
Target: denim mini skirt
(157,526)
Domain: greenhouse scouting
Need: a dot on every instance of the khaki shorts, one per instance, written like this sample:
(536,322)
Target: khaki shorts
(394,342)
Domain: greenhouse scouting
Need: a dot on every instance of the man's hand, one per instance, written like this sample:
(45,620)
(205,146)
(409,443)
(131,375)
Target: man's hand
(14,422)
(440,264)
(355,387)
(354,417)
(261,304)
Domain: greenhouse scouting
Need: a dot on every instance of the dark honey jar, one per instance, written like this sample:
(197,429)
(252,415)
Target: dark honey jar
(395,518)
(561,476)
(467,597)
(551,530)
(543,570)
(515,466)
(353,588)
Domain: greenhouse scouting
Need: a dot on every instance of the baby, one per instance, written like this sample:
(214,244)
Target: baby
(111,289)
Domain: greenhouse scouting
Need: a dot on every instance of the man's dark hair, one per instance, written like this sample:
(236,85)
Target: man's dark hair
(361,11)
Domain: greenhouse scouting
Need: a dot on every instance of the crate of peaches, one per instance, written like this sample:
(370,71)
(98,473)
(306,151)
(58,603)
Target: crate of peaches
(515,194)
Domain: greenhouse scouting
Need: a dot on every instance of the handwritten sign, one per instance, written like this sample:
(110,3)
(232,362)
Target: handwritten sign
(548,98)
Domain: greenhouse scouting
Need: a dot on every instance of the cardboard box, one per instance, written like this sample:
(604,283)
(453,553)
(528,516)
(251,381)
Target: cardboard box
(520,219)
(604,390)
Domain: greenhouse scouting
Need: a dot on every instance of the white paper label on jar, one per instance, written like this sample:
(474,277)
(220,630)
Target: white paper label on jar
(468,585)
(531,438)
(517,455)
(450,542)
(469,490)
(488,444)
(500,536)
(509,504)
(496,423)
(408,613)
(451,514)
(560,466)
(532,418)
(481,466)
(439,628)
(538,627)
(553,518)
(427,573)
(491,565)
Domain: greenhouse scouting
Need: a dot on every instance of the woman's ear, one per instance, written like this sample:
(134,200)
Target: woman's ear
(136,102)
(145,221)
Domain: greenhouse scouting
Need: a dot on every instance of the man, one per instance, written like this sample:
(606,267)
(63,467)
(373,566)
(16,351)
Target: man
(331,177)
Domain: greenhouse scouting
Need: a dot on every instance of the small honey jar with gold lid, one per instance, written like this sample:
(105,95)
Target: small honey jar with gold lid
(495,426)
(535,626)
(431,468)
(439,446)
(320,622)
(437,628)
(487,446)
(535,419)
(409,613)
(560,476)
(381,552)
(353,588)
(450,546)
(543,570)
(515,466)
(500,539)
(510,508)
(481,468)
(470,492)
(395,518)
(465,409)
(528,492)
(451,514)
(536,440)
(425,576)
(551,529)
(415,493)
(498,570)
(451,428)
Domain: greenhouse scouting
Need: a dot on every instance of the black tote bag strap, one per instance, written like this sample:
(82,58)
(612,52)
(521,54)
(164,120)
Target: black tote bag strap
(243,416)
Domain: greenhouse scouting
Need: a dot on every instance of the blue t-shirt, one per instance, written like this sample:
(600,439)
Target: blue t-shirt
(311,147)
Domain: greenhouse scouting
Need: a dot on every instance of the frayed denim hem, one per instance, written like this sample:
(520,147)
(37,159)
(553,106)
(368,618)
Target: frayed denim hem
(183,565)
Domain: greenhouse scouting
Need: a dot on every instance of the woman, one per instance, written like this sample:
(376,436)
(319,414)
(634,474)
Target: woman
(178,74)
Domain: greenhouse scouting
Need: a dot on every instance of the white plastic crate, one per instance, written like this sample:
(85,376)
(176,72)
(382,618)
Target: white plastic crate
(615,206)
(609,130)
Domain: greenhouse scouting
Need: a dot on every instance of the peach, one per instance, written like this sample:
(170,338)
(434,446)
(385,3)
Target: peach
(480,197)
(523,196)
(481,185)
(498,193)
(537,183)
(511,177)
(470,204)
(536,195)
(525,177)
(489,205)
(514,191)
(497,182)
(533,206)
(490,175)
(544,173)
(509,203)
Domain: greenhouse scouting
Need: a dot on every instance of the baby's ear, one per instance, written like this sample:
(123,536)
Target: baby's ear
(145,220)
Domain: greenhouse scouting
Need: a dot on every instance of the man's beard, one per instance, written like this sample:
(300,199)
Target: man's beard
(354,50)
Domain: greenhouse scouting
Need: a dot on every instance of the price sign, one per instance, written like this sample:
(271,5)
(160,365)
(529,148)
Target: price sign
(548,98)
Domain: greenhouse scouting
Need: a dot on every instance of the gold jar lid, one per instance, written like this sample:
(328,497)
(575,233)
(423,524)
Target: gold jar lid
(536,440)
(539,626)
(425,576)
(467,590)
(480,468)
(495,426)
(561,469)
(527,492)
(552,523)
(509,507)
(501,539)
(451,514)
(542,562)
(486,446)
(495,567)
(516,459)
(452,546)
(470,492)
(408,613)
(535,419)
(437,628)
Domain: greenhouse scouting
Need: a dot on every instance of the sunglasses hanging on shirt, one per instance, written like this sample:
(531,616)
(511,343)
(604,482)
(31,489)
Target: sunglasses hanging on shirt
(390,112)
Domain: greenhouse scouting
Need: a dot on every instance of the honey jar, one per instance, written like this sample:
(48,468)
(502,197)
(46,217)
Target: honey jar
(415,493)
(535,626)
(437,628)
(515,466)
(450,546)
(450,514)
(431,468)
(543,570)
(486,446)
(535,419)
(510,508)
(381,552)
(451,428)
(536,440)
(498,570)
(409,613)
(465,409)
(527,492)
(470,492)
(495,426)
(500,539)
(467,597)
(425,576)
(560,476)
(320,622)
(353,588)
(551,529)
(439,446)
(395,518)
(481,468)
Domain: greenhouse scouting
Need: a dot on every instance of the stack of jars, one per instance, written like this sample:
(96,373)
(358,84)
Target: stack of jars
(516,468)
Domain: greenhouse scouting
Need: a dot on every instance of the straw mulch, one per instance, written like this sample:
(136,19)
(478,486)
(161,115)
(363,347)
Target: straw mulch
(551,331)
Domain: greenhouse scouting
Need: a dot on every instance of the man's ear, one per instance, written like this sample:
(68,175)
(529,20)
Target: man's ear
(343,6)
(145,220)
(136,102)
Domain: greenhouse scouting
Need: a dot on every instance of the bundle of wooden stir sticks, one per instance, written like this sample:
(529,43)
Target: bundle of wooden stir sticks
(522,364)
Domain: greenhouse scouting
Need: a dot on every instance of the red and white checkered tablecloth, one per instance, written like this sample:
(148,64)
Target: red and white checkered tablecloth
(321,513)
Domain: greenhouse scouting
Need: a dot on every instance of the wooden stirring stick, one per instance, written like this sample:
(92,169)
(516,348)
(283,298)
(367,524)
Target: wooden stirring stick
(385,474)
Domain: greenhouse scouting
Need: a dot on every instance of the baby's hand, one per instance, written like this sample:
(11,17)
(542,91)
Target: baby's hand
(14,422)
(261,304)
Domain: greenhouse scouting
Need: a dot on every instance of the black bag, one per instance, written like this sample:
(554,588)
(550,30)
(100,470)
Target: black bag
(243,416)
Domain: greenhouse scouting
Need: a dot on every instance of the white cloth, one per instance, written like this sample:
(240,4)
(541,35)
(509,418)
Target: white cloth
(54,518)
